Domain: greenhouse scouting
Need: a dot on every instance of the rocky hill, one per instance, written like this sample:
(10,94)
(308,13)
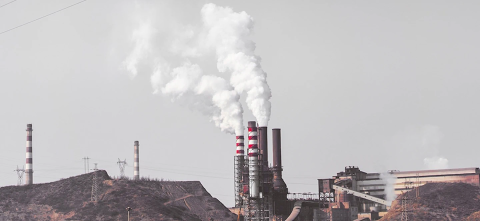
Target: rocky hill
(70,199)
(440,201)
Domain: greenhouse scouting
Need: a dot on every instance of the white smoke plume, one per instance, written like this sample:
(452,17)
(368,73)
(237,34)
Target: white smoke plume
(228,32)
(431,138)
(142,48)
(225,32)
(211,95)
(389,181)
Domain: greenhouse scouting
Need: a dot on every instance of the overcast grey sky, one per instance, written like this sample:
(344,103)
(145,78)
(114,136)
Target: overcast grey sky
(377,84)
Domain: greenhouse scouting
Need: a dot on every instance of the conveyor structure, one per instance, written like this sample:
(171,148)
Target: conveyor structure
(364,196)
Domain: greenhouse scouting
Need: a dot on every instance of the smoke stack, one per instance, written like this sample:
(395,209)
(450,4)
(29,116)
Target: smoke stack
(263,146)
(278,183)
(238,170)
(136,166)
(29,157)
(254,181)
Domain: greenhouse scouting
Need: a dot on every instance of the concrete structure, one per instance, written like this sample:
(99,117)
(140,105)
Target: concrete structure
(29,157)
(136,160)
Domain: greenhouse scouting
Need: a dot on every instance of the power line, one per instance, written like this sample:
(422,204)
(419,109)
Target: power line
(34,20)
(166,171)
(7,3)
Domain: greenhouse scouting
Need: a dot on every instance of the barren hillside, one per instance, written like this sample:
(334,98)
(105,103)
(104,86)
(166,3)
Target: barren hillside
(440,201)
(69,199)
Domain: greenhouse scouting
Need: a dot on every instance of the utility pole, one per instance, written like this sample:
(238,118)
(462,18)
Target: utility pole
(95,185)
(128,213)
(417,189)
(20,173)
(121,165)
(86,164)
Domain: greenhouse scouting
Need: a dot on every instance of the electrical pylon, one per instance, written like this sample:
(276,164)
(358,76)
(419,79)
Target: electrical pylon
(20,173)
(95,185)
(121,165)
(406,200)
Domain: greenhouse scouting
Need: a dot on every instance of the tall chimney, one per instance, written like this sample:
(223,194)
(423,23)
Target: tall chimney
(278,183)
(239,158)
(29,157)
(136,166)
(254,181)
(263,146)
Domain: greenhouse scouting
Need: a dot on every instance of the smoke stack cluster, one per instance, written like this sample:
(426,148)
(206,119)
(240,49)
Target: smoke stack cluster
(136,166)
(264,185)
(254,181)
(29,157)
(278,183)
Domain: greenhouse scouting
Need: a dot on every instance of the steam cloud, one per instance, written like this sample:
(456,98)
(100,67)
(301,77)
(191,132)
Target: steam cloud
(389,180)
(141,36)
(430,142)
(209,94)
(433,163)
(226,33)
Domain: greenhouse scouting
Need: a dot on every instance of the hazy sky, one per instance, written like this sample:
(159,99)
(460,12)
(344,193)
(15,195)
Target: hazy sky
(377,84)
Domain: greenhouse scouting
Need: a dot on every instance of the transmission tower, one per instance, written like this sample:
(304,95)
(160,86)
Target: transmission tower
(121,165)
(95,185)
(20,173)
(406,200)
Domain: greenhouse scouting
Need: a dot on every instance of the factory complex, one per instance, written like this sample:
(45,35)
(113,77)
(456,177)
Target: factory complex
(352,194)
(261,194)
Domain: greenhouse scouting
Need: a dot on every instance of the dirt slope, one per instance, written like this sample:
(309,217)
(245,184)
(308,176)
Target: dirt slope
(69,199)
(440,201)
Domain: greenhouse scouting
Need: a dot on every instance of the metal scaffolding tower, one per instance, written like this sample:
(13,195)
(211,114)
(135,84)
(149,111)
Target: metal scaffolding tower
(258,209)
(20,173)
(121,166)
(406,199)
(95,185)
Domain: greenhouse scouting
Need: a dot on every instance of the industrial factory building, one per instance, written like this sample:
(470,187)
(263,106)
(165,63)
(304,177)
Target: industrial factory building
(352,194)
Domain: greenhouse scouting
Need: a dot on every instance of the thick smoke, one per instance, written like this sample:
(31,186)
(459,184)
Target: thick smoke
(228,32)
(224,32)
(211,95)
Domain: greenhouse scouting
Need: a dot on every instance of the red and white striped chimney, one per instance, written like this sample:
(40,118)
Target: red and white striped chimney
(29,157)
(136,166)
(254,181)
(239,158)
(240,145)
